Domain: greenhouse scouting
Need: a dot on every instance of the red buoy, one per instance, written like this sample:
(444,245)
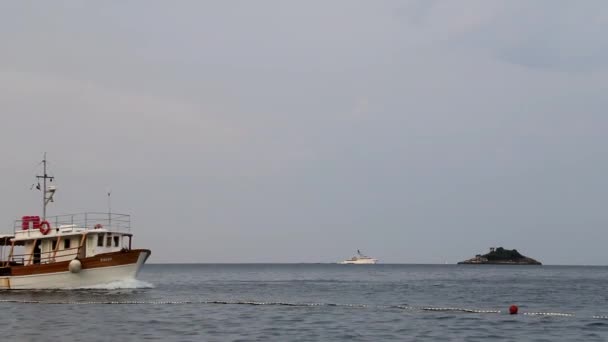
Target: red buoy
(513,309)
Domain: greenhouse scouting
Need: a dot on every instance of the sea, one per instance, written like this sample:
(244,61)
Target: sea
(320,302)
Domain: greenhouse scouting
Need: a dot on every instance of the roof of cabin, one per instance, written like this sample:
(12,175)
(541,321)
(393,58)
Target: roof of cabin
(5,239)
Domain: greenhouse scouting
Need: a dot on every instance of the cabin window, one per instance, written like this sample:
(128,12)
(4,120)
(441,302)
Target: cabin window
(100,240)
(53,244)
(116,241)
(66,243)
(109,241)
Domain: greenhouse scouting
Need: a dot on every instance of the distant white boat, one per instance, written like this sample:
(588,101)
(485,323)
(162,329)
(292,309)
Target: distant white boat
(359,259)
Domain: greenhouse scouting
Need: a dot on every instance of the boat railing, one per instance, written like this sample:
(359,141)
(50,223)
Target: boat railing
(88,220)
(42,257)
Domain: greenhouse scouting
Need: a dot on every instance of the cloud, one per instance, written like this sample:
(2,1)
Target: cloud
(555,35)
(57,110)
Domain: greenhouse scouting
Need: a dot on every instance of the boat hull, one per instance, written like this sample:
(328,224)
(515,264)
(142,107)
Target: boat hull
(98,270)
(359,262)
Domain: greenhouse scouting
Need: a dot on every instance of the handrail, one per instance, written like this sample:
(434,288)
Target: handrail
(43,256)
(87,220)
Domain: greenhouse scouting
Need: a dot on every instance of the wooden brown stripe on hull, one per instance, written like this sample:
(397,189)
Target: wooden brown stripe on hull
(119,258)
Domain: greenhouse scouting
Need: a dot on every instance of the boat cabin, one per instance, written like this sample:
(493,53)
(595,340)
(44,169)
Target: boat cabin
(64,238)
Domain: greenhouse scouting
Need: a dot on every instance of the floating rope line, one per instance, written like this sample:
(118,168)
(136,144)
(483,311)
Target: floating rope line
(403,307)
(460,309)
(19,301)
(289,304)
(548,314)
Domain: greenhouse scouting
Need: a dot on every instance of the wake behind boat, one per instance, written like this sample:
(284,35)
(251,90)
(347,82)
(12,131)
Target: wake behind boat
(359,259)
(68,251)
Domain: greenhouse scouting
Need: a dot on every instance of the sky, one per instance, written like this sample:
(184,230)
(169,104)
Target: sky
(279,131)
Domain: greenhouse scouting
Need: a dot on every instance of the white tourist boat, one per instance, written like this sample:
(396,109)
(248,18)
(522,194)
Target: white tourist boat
(359,259)
(68,251)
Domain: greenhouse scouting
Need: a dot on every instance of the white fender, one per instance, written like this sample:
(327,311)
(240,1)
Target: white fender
(75,266)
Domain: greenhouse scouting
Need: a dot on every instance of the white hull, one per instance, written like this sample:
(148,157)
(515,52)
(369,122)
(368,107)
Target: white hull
(359,262)
(68,280)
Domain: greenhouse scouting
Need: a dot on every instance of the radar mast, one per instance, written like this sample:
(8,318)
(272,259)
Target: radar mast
(47,192)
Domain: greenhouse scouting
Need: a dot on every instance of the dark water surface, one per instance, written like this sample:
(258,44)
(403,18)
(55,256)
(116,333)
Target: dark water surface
(282,302)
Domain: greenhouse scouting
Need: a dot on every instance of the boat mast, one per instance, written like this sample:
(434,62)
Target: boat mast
(45,190)
(109,208)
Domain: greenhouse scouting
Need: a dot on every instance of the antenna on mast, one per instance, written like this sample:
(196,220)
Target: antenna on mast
(47,192)
(109,207)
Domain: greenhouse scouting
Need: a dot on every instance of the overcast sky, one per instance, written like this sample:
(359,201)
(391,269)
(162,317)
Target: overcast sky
(282,131)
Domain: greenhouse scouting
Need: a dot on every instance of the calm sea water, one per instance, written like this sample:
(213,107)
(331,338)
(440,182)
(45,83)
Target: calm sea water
(278,302)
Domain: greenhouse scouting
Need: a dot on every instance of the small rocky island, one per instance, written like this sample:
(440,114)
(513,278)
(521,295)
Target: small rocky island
(501,256)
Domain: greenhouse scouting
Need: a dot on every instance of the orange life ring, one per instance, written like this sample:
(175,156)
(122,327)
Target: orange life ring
(45,227)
